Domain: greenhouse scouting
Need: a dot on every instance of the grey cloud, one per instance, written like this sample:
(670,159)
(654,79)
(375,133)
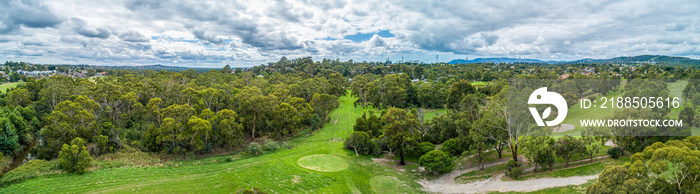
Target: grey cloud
(29,13)
(676,27)
(82,28)
(132,36)
(201,34)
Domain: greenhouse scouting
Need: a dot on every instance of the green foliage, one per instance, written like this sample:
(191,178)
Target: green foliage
(270,145)
(361,143)
(421,149)
(19,97)
(9,140)
(458,91)
(687,115)
(453,147)
(102,141)
(401,131)
(323,104)
(435,161)
(540,151)
(254,148)
(150,139)
(75,158)
(567,146)
(514,168)
(615,152)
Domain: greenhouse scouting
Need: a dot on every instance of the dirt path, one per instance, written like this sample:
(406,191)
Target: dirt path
(446,183)
(504,186)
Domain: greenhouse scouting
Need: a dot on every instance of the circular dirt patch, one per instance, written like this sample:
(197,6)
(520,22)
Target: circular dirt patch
(323,163)
(563,127)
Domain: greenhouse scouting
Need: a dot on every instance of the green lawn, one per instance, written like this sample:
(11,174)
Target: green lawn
(276,172)
(429,114)
(4,87)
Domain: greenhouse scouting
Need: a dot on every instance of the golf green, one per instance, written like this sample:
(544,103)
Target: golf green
(323,163)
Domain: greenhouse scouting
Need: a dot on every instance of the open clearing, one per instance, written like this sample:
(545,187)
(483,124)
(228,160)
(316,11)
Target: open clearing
(323,163)
(4,87)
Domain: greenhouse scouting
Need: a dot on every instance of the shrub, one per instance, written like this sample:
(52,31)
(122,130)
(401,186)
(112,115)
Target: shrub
(254,148)
(435,161)
(615,152)
(422,148)
(514,169)
(270,145)
(75,157)
(452,147)
(228,159)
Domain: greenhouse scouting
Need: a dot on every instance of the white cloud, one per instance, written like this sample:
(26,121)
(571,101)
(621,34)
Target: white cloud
(215,33)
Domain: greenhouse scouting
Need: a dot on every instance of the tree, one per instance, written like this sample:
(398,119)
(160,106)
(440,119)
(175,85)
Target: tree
(359,87)
(453,147)
(150,139)
(251,101)
(459,89)
(669,167)
(567,146)
(337,84)
(687,115)
(9,140)
(477,150)
(68,121)
(75,158)
(400,131)
(361,143)
(422,148)
(539,150)
(226,69)
(198,133)
(228,131)
(324,104)
(435,161)
(19,97)
(571,99)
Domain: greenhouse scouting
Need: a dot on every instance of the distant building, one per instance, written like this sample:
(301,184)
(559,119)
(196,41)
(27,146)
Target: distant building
(35,73)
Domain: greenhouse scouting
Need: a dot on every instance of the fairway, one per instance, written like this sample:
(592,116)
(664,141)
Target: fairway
(277,172)
(323,163)
(4,87)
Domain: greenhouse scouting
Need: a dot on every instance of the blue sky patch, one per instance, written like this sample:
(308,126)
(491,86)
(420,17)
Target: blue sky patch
(359,37)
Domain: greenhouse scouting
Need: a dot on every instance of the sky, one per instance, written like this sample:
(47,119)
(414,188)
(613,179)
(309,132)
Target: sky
(245,33)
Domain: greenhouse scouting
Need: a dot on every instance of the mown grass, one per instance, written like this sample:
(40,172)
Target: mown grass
(429,114)
(276,172)
(4,87)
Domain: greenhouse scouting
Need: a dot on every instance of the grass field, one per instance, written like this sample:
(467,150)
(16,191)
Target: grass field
(576,113)
(276,172)
(429,114)
(4,87)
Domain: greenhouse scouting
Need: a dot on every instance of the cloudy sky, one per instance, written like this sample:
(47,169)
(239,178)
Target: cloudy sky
(245,33)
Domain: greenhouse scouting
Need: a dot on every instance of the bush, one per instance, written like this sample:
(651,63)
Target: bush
(75,158)
(452,147)
(254,148)
(228,159)
(421,149)
(514,169)
(615,152)
(435,161)
(270,145)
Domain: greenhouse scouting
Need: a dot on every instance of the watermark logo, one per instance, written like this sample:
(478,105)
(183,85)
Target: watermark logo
(542,96)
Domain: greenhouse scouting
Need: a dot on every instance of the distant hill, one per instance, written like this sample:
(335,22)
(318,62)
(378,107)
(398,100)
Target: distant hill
(159,68)
(502,60)
(641,59)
